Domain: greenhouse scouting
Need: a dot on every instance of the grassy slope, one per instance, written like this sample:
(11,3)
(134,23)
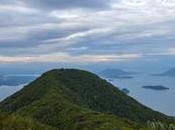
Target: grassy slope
(16,122)
(78,100)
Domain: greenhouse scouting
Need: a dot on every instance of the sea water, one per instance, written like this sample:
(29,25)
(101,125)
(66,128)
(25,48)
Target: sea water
(162,101)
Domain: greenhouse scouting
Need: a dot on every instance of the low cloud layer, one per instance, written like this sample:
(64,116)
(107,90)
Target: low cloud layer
(85,31)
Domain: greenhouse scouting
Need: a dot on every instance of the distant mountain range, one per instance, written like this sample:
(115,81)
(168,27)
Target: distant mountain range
(14,80)
(116,73)
(69,99)
(170,73)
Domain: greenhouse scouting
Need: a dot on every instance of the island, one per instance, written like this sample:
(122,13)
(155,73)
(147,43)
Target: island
(120,77)
(15,80)
(169,73)
(158,87)
(124,77)
(126,91)
(117,74)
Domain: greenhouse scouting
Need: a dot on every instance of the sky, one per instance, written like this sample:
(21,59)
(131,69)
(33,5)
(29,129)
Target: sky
(87,31)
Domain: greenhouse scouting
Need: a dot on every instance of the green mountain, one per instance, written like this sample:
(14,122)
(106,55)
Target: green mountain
(69,99)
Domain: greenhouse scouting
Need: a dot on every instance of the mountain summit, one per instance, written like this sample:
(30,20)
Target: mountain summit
(70,99)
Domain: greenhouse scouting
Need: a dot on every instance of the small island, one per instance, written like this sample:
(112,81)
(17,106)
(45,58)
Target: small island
(126,91)
(117,74)
(124,77)
(158,87)
(110,80)
(169,73)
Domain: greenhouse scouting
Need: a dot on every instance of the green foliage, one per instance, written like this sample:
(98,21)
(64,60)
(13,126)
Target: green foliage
(160,126)
(15,122)
(69,99)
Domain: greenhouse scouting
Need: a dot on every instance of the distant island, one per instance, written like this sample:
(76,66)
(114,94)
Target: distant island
(14,80)
(124,77)
(126,91)
(170,73)
(158,87)
(120,77)
(117,73)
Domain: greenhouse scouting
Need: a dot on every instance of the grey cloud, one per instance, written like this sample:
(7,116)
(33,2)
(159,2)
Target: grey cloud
(64,4)
(93,32)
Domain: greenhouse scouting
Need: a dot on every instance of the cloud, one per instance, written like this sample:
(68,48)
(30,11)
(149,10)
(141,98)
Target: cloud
(64,57)
(84,31)
(80,35)
(17,8)
(64,4)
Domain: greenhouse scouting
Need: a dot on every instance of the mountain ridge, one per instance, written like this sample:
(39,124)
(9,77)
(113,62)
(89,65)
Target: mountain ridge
(71,98)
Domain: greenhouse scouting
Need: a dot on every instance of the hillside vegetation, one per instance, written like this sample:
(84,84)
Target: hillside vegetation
(69,99)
